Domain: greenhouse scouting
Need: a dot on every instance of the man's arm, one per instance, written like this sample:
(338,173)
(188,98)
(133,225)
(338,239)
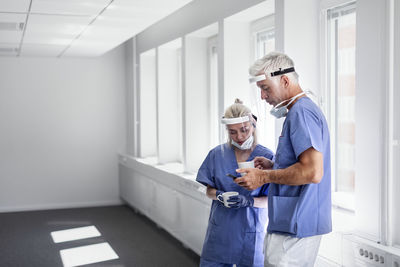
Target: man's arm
(309,169)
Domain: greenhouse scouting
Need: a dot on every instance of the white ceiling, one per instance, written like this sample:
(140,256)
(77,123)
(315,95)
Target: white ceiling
(71,28)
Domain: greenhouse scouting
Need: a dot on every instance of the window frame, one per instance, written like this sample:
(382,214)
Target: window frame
(264,24)
(340,200)
(213,104)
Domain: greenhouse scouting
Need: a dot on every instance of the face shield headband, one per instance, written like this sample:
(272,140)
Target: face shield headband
(228,121)
(262,77)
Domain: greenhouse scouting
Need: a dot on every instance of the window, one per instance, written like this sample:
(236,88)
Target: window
(169,102)
(200,96)
(148,105)
(341,83)
(264,42)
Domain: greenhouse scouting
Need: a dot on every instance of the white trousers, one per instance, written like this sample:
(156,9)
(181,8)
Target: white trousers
(286,251)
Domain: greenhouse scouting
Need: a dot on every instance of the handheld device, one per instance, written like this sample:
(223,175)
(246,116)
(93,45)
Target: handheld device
(232,176)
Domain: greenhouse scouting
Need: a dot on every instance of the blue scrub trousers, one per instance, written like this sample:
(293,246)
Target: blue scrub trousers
(206,263)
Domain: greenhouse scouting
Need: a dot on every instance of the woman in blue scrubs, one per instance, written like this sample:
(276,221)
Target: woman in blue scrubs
(235,234)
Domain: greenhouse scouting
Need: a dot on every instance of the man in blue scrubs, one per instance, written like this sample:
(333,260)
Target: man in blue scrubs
(299,198)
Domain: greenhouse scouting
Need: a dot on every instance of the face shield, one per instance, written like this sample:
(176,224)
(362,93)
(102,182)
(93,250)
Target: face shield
(268,126)
(240,131)
(223,156)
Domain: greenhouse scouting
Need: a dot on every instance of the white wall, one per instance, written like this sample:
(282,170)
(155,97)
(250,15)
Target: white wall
(62,123)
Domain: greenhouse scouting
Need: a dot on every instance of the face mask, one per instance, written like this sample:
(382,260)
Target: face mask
(280,111)
(246,144)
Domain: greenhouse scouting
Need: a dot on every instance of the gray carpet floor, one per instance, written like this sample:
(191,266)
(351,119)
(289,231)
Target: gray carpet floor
(25,238)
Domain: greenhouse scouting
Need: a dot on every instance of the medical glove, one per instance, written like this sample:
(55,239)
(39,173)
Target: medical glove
(218,194)
(241,201)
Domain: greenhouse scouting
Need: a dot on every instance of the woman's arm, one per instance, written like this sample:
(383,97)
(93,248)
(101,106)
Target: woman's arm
(211,192)
(261,202)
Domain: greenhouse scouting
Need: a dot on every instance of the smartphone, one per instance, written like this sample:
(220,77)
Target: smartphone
(232,176)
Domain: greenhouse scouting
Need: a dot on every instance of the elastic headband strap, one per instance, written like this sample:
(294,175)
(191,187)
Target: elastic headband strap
(262,77)
(234,120)
(282,71)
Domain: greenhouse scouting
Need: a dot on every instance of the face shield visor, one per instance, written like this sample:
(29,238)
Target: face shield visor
(266,124)
(268,127)
(241,129)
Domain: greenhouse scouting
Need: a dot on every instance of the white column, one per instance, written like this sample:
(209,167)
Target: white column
(371,125)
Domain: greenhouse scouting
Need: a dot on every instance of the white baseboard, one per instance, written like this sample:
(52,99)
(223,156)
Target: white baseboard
(60,206)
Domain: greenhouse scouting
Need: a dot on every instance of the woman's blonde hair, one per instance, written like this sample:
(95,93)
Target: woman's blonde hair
(237,110)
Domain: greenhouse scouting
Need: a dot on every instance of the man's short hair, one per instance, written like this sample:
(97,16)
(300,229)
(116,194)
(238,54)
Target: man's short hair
(273,62)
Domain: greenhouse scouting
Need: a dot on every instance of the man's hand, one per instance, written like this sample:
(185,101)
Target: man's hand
(253,179)
(263,163)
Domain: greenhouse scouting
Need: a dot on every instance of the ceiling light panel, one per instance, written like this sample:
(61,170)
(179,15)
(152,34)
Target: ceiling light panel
(48,27)
(128,9)
(45,50)
(14,5)
(122,20)
(150,11)
(125,19)
(8,50)
(58,39)
(12,37)
(137,15)
(54,25)
(70,7)
(10,27)
(12,17)
(163,6)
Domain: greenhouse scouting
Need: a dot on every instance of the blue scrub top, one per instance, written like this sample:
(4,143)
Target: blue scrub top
(234,236)
(303,210)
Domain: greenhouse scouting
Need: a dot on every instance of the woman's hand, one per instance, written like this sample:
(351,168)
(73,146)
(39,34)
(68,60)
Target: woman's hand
(263,163)
(240,201)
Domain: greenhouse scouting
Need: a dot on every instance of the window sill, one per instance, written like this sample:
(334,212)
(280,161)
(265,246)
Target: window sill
(171,167)
(170,175)
(343,200)
(148,160)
